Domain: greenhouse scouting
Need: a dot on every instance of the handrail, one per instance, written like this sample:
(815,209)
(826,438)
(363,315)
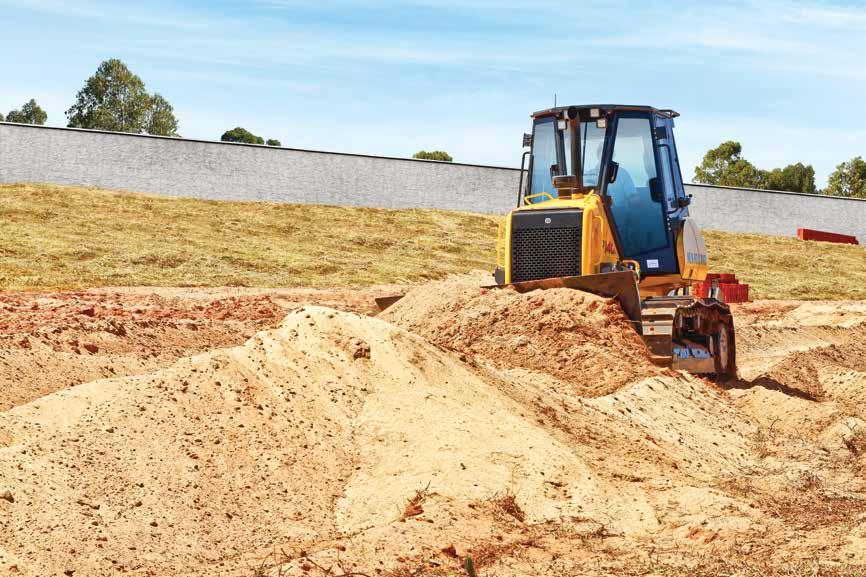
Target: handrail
(635,266)
(537,194)
(520,185)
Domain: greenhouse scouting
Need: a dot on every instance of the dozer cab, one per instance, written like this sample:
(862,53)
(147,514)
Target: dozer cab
(602,208)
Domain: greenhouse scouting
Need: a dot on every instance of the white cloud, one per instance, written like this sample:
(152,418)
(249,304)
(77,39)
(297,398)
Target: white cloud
(827,16)
(119,12)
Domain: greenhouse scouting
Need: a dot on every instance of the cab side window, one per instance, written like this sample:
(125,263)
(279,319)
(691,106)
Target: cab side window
(543,156)
(637,212)
(667,177)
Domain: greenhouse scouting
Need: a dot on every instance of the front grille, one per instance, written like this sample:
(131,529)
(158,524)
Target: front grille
(538,253)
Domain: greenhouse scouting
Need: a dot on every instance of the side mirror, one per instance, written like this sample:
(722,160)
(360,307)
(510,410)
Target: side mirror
(565,182)
(554,170)
(614,171)
(657,193)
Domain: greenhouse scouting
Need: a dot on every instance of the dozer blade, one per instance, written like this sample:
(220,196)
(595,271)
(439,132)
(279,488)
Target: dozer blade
(621,286)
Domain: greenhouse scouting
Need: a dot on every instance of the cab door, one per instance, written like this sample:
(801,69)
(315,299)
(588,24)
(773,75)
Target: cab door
(638,196)
(676,199)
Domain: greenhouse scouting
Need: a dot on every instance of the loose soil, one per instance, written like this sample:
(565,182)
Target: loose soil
(241,432)
(51,341)
(580,338)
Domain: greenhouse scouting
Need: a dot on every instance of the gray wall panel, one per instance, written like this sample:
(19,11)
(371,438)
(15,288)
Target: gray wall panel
(776,213)
(221,171)
(224,171)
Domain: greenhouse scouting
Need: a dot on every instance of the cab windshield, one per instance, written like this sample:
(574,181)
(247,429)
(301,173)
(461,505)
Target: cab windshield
(592,145)
(551,155)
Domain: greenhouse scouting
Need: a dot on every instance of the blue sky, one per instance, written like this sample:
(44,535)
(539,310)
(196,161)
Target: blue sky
(786,79)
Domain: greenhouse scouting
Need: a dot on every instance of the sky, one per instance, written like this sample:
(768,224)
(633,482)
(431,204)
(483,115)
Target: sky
(785,79)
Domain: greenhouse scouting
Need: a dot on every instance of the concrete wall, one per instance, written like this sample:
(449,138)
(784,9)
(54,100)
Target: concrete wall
(222,171)
(777,213)
(225,171)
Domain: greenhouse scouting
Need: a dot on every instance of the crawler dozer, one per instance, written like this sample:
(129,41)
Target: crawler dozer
(602,209)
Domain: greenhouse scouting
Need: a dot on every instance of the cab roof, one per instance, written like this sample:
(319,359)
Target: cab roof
(606,109)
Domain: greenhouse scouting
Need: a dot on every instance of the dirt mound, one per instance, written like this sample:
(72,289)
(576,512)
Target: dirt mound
(337,443)
(804,371)
(231,450)
(815,351)
(317,433)
(580,338)
(62,339)
(51,341)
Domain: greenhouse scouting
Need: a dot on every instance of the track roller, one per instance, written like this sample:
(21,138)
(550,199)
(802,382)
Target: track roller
(689,333)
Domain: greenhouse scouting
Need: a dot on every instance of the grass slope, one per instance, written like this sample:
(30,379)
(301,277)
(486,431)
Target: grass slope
(779,267)
(55,236)
(70,237)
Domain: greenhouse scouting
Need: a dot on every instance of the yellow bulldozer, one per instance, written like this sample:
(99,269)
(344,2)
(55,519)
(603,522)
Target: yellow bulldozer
(603,209)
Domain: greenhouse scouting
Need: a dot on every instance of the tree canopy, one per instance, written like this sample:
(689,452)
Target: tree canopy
(433,155)
(794,177)
(849,179)
(160,117)
(30,113)
(725,166)
(239,134)
(115,99)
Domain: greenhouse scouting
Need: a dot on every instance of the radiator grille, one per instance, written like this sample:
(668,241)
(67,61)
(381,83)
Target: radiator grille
(545,253)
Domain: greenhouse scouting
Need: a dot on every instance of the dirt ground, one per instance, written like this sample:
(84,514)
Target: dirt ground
(294,432)
(76,337)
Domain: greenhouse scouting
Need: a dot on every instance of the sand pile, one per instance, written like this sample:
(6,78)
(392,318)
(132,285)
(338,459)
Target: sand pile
(805,365)
(319,432)
(51,341)
(580,338)
(63,339)
(339,443)
(221,453)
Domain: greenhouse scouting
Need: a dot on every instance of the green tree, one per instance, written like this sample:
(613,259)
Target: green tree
(115,99)
(273,142)
(793,178)
(160,117)
(30,113)
(239,134)
(849,179)
(433,155)
(1,117)
(724,166)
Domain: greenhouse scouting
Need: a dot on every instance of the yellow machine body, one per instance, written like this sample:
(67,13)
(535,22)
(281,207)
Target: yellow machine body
(598,248)
(604,210)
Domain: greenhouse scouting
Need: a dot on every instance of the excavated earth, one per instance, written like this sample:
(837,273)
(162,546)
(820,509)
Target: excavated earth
(252,433)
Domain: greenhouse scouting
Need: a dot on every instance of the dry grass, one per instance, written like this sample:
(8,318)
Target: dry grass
(414,506)
(71,237)
(788,268)
(507,504)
